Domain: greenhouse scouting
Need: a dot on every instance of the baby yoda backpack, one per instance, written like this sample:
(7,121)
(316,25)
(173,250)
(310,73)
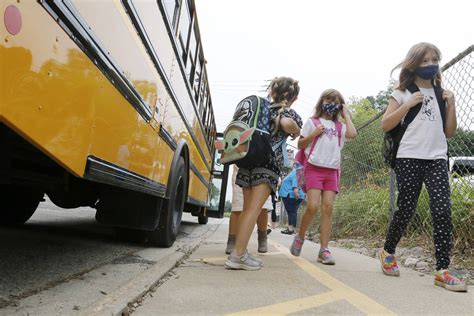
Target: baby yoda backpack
(246,139)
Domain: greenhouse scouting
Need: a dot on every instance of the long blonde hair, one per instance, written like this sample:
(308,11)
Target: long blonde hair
(283,91)
(412,61)
(328,94)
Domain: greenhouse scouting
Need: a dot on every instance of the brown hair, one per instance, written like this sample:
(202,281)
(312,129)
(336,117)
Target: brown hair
(328,94)
(283,91)
(412,61)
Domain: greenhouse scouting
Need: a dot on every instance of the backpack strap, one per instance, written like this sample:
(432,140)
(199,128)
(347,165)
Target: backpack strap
(413,112)
(339,131)
(441,104)
(316,121)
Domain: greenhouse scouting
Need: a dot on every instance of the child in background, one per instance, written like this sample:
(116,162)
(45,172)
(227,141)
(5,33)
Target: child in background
(258,183)
(323,166)
(422,157)
(292,196)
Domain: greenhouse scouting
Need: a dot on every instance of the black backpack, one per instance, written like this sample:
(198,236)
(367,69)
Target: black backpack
(392,138)
(247,138)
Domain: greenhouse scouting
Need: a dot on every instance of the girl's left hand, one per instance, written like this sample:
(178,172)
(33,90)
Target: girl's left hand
(344,111)
(448,96)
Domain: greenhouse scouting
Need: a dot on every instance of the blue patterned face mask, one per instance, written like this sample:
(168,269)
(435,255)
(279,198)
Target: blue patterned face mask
(427,72)
(330,108)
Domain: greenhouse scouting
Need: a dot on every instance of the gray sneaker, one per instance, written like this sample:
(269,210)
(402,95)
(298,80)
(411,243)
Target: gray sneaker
(255,258)
(325,257)
(242,262)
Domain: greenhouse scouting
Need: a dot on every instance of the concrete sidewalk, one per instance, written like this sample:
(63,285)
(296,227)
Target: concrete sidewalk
(286,284)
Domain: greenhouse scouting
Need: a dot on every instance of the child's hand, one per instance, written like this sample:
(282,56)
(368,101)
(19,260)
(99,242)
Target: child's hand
(295,135)
(345,112)
(319,130)
(448,96)
(415,98)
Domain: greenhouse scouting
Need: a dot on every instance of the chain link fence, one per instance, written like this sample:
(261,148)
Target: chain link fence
(368,188)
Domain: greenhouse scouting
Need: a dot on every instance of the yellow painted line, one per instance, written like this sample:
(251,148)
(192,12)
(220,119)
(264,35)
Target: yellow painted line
(339,290)
(357,299)
(295,305)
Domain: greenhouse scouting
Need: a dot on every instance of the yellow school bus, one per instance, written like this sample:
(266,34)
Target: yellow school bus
(106,104)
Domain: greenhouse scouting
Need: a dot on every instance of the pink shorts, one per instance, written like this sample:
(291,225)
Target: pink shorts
(324,179)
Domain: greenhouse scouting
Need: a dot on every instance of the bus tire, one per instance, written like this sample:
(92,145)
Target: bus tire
(170,218)
(203,219)
(18,204)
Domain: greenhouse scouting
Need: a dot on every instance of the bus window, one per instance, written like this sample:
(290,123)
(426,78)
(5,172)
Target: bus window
(192,58)
(184,24)
(197,80)
(171,8)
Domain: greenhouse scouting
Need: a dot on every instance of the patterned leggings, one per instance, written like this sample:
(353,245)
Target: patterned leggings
(411,173)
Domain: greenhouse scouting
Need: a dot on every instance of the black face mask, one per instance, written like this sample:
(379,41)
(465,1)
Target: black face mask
(330,108)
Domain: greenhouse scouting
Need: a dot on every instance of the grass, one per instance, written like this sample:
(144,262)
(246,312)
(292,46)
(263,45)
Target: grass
(365,212)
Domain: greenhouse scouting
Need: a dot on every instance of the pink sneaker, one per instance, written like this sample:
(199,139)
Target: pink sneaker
(296,245)
(325,257)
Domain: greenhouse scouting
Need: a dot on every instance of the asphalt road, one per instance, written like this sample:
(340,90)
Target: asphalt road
(64,246)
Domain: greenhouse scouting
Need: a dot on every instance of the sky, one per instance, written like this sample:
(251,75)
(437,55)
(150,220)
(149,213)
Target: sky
(351,46)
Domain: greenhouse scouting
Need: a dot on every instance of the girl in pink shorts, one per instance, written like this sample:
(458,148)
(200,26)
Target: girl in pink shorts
(322,137)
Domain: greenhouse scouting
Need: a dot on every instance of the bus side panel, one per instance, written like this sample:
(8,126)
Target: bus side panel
(138,150)
(47,87)
(145,155)
(160,40)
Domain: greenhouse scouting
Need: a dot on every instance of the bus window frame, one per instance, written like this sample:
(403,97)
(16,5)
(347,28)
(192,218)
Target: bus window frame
(173,30)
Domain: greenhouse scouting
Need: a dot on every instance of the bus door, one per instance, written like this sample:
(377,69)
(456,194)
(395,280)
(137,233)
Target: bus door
(218,190)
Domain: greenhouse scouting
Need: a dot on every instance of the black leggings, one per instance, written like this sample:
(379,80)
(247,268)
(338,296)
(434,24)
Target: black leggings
(411,174)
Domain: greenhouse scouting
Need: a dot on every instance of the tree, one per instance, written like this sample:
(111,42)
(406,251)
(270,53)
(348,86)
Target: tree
(380,101)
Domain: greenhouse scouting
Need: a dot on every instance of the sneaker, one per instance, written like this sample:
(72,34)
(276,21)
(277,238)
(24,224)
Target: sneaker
(296,246)
(288,232)
(255,258)
(388,263)
(325,257)
(242,262)
(269,230)
(450,281)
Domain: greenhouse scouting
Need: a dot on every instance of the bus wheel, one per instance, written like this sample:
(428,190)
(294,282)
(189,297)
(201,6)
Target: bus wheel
(17,204)
(172,212)
(203,219)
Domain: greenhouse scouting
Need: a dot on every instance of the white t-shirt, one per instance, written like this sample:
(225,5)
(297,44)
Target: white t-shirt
(424,137)
(326,152)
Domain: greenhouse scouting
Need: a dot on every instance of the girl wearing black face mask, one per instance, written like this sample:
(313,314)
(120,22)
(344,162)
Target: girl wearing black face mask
(422,156)
(322,137)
